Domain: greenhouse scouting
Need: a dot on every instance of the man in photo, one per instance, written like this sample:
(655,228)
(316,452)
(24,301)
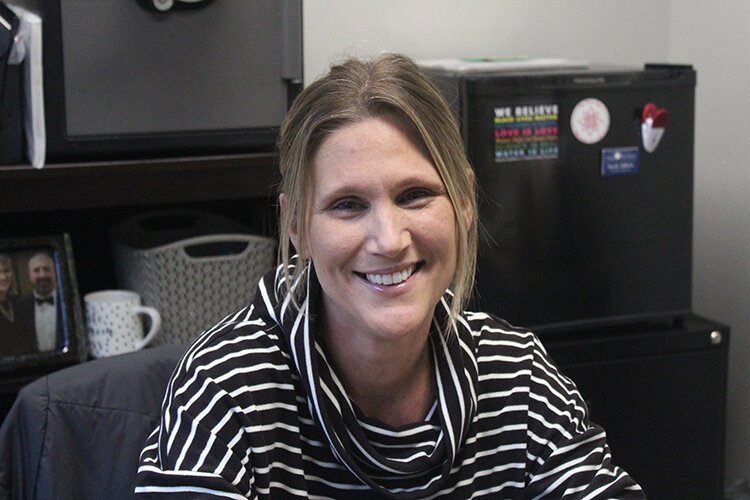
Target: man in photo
(41,306)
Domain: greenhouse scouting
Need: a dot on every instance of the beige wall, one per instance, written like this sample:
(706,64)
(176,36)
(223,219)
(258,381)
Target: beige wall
(714,36)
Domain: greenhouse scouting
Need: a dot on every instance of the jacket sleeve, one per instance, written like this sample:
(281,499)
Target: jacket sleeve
(568,454)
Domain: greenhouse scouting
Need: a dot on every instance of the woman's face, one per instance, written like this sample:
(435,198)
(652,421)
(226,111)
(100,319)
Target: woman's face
(381,232)
(6,277)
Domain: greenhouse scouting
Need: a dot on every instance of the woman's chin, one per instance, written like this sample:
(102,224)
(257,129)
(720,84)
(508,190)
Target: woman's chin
(398,326)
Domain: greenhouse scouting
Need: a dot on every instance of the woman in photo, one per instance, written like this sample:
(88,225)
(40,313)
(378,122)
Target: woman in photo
(15,336)
(356,372)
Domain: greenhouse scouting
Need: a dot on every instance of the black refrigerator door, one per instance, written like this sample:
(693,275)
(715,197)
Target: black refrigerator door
(660,393)
(562,243)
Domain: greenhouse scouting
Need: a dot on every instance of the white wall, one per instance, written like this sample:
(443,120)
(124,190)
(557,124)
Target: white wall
(629,32)
(713,36)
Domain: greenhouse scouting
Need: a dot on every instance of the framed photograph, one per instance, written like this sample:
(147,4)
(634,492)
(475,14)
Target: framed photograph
(41,322)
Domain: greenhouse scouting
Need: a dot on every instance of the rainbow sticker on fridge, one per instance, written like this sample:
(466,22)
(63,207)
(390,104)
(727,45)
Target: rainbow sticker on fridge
(526,132)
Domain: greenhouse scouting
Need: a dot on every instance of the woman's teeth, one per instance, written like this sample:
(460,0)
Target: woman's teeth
(390,279)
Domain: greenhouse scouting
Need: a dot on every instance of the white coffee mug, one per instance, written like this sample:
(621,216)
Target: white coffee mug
(113,322)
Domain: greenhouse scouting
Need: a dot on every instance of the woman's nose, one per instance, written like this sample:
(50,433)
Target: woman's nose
(389,234)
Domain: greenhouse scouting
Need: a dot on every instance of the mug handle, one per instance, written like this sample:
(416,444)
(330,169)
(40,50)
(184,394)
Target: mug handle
(155,317)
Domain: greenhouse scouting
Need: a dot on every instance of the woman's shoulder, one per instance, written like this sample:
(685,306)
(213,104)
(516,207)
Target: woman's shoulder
(490,330)
(501,346)
(242,343)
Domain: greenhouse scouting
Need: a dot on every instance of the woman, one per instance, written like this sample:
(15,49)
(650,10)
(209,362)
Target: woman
(356,373)
(15,337)
(7,315)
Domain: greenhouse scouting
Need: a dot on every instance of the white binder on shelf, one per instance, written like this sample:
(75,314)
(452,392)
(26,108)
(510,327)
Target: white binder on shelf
(27,50)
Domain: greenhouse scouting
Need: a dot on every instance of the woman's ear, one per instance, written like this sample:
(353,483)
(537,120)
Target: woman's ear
(293,235)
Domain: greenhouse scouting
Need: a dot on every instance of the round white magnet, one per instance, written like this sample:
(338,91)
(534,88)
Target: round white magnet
(589,121)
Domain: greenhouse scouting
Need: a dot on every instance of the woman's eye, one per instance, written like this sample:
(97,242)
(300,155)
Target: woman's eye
(416,195)
(346,205)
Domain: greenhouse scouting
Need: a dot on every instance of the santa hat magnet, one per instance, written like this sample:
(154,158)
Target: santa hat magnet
(653,121)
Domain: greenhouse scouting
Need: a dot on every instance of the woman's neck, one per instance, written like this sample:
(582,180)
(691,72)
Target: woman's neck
(389,381)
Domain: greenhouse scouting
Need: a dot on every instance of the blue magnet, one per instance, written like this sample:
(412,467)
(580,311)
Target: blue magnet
(620,161)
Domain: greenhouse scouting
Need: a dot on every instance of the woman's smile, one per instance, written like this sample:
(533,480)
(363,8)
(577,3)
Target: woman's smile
(389,278)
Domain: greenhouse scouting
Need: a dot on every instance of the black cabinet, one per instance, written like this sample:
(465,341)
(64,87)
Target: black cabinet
(660,392)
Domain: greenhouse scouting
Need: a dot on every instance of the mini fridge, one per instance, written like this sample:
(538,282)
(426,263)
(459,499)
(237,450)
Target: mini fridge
(585,178)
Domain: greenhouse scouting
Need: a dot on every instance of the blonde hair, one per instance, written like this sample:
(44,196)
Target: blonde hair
(392,86)
(8,262)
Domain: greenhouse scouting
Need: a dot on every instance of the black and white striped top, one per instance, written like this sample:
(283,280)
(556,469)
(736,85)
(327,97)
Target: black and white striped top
(254,410)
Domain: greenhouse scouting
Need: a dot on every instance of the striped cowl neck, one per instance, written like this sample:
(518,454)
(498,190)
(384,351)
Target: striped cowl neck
(415,451)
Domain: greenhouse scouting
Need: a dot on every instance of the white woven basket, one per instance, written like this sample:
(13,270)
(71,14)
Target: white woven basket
(193,293)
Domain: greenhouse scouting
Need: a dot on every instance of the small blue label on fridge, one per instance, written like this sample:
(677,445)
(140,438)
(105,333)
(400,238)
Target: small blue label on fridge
(620,161)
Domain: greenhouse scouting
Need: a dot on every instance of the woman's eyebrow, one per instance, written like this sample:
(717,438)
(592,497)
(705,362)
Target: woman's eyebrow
(359,187)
